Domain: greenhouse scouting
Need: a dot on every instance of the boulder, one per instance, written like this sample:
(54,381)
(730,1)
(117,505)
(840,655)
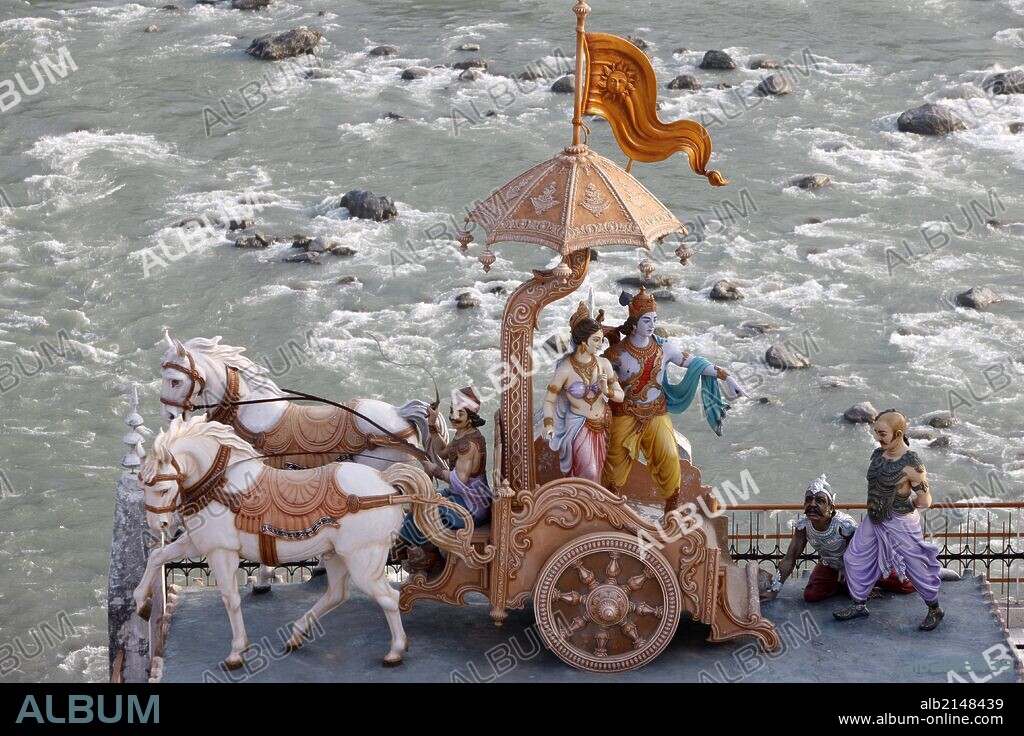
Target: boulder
(321,244)
(471,64)
(773,86)
(304,257)
(415,72)
(152,29)
(658,282)
(779,356)
(684,81)
(640,43)
(532,75)
(392,116)
(765,64)
(929,119)
(942,441)
(253,242)
(251,4)
(470,75)
(241,224)
(1017,128)
(862,413)
(384,51)
(564,85)
(977,297)
(725,291)
(814,181)
(368,206)
(286,44)
(941,422)
(347,280)
(1005,83)
(466,300)
(468,47)
(681,50)
(715,59)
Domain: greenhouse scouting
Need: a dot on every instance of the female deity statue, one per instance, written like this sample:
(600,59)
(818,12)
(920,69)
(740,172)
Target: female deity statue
(576,414)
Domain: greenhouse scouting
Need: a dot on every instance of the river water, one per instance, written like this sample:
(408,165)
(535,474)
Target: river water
(100,164)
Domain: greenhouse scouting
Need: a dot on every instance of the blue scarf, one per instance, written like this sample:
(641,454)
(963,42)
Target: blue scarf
(679,396)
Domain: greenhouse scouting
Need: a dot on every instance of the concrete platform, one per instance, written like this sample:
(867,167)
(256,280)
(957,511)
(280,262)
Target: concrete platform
(452,644)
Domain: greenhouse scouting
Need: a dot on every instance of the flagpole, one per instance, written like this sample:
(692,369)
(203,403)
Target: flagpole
(582,10)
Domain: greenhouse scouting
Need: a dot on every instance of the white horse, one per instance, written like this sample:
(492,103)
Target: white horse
(204,470)
(202,372)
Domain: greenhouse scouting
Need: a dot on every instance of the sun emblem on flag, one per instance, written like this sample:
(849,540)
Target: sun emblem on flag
(618,79)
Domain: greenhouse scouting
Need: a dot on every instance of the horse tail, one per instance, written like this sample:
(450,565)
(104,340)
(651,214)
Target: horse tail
(425,502)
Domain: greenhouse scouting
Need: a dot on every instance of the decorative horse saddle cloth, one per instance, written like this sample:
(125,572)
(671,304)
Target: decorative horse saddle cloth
(296,504)
(324,432)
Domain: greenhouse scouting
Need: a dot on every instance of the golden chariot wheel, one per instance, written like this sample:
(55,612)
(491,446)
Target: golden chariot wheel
(604,605)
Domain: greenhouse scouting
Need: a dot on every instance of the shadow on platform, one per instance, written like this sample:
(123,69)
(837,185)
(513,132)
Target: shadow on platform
(452,644)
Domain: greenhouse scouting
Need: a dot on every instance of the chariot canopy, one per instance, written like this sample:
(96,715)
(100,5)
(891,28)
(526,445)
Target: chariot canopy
(578,199)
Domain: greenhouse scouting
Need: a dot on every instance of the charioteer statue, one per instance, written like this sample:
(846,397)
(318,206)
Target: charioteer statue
(640,421)
(829,532)
(891,538)
(465,474)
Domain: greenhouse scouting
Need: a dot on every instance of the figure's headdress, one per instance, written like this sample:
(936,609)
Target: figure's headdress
(582,312)
(466,398)
(820,485)
(639,304)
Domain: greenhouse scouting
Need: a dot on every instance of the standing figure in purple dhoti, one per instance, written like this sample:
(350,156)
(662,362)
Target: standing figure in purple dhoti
(890,538)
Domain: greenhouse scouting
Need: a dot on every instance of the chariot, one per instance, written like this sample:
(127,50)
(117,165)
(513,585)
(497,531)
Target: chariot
(608,586)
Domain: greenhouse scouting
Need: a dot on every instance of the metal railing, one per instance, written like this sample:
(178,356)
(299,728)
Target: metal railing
(985,538)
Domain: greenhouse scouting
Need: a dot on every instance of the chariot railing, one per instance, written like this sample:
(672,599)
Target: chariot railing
(983,537)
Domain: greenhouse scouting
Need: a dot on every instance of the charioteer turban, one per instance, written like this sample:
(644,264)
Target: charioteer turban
(466,398)
(640,304)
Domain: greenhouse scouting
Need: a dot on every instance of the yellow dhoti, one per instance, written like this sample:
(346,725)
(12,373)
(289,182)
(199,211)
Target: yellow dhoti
(657,441)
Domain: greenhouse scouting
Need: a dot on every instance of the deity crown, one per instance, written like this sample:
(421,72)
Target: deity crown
(642,303)
(581,313)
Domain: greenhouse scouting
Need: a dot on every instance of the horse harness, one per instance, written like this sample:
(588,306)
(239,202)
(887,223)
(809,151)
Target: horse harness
(289,505)
(319,431)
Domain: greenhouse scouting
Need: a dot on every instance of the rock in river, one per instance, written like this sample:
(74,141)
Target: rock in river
(929,119)
(684,81)
(725,291)
(779,356)
(977,297)
(564,85)
(415,72)
(715,59)
(286,44)
(368,206)
(1005,83)
(814,181)
(862,413)
(773,86)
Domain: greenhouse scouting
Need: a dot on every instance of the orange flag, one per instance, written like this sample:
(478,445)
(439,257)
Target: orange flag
(622,89)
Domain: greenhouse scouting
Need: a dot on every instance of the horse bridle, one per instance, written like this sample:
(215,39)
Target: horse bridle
(195,379)
(178,477)
(194,497)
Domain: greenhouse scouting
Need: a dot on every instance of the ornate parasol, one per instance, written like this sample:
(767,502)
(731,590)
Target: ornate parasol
(579,199)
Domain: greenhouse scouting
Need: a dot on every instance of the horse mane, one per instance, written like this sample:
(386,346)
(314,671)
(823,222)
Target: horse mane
(226,354)
(196,427)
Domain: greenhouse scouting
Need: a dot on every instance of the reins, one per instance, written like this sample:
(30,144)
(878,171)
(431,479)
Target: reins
(196,378)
